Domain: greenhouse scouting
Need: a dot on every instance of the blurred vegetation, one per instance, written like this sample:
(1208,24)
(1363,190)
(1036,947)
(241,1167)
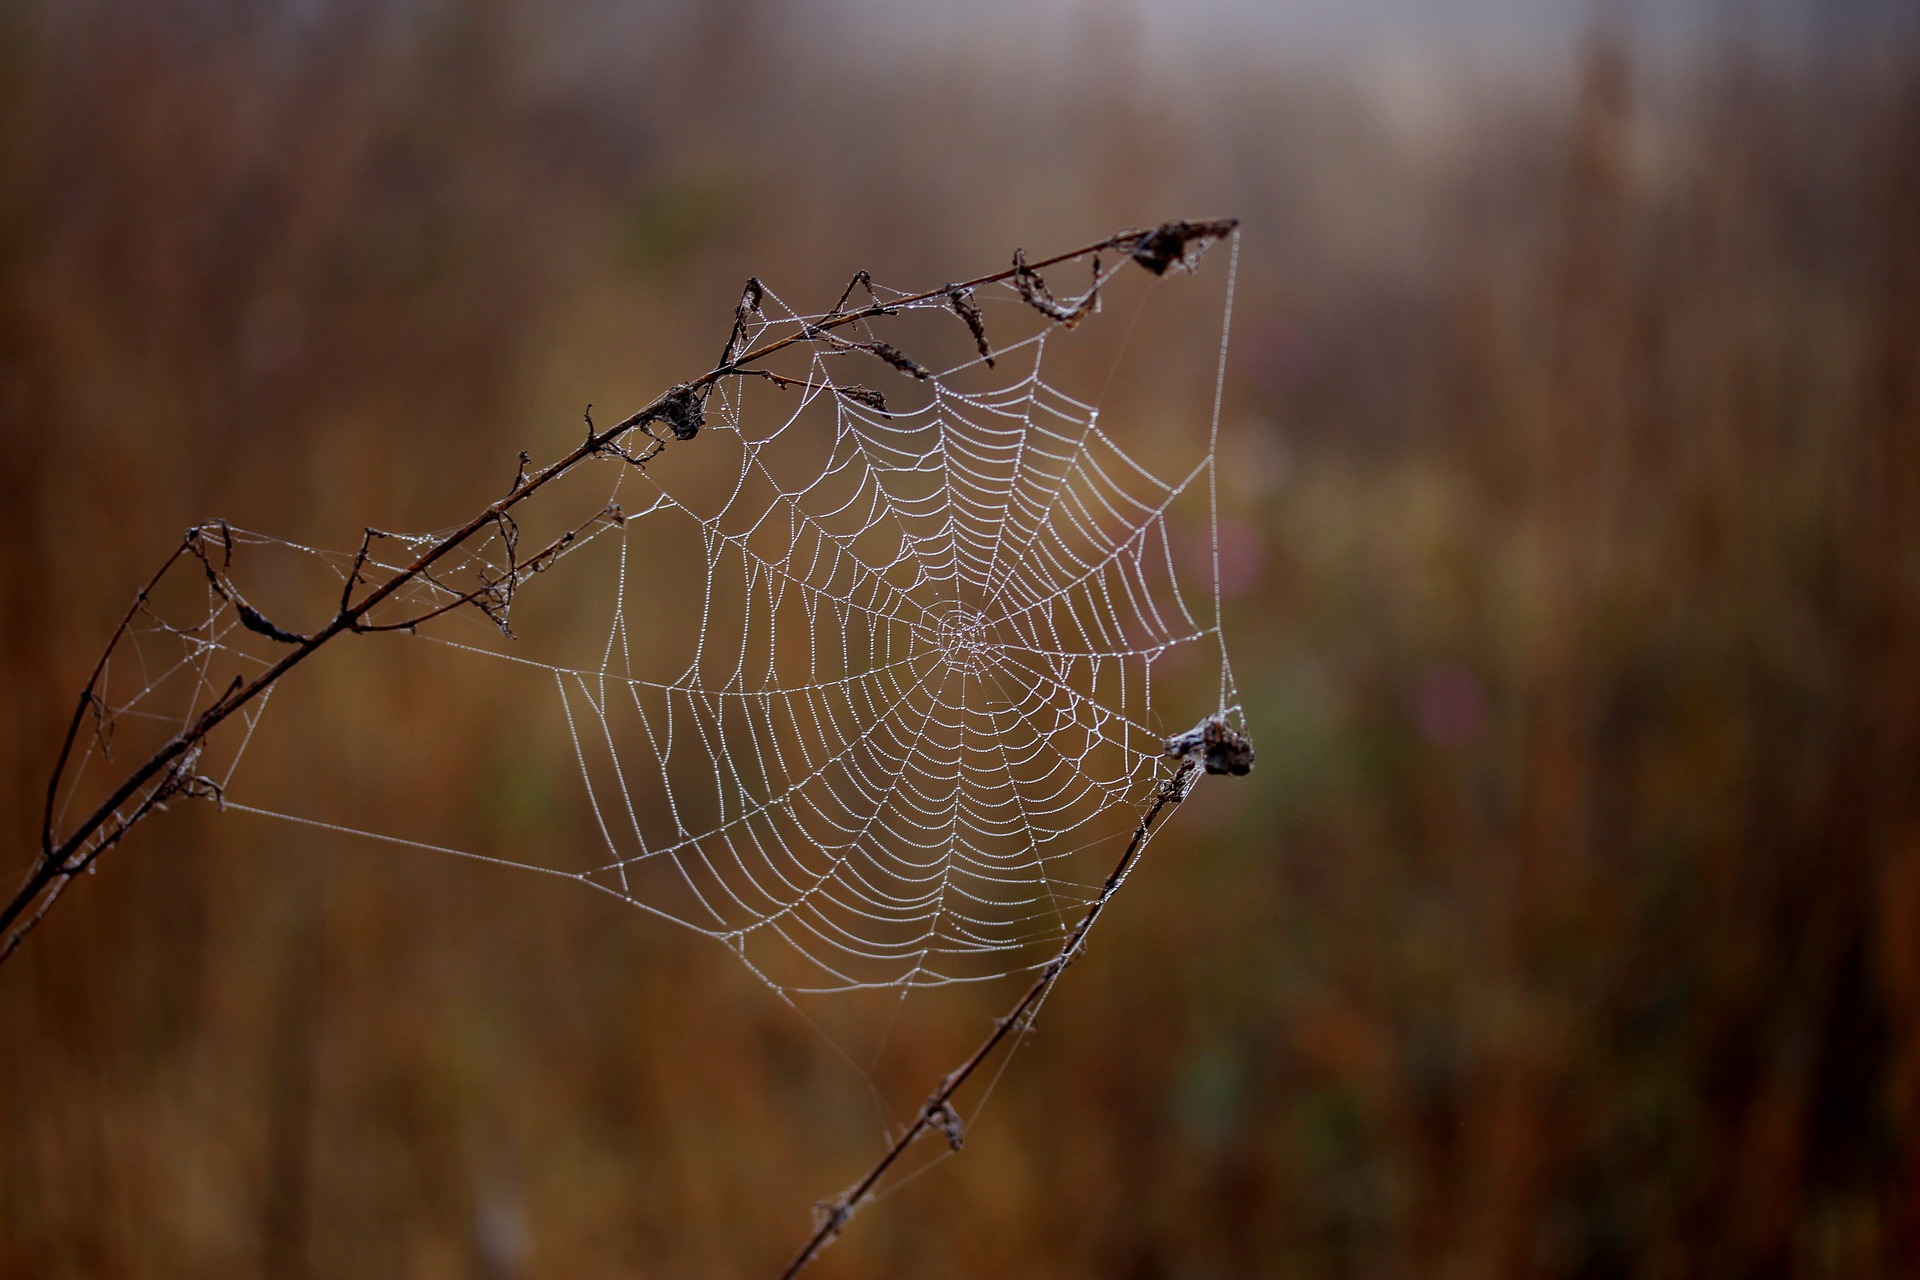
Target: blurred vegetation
(1570,925)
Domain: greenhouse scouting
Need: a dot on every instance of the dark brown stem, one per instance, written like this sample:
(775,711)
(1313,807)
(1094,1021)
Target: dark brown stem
(936,1112)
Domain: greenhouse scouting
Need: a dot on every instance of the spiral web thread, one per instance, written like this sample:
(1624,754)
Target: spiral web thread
(921,704)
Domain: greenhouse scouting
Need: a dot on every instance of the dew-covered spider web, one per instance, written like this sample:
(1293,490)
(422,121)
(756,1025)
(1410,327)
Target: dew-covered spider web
(862,661)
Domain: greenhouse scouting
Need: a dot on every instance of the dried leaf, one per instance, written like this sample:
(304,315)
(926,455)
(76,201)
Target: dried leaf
(1214,745)
(683,413)
(963,305)
(253,620)
(1180,245)
(863,395)
(898,359)
(1034,292)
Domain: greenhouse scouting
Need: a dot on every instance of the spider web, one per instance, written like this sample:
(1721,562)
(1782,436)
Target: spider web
(945,629)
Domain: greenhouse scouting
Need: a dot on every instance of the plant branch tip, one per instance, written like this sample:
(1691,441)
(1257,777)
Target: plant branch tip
(1179,245)
(1214,746)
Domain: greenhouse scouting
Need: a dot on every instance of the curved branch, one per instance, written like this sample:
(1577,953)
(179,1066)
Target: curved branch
(61,857)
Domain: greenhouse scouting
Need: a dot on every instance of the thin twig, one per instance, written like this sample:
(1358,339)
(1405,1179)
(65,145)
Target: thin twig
(936,1113)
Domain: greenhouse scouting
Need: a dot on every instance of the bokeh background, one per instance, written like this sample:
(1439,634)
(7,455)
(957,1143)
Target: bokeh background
(1570,925)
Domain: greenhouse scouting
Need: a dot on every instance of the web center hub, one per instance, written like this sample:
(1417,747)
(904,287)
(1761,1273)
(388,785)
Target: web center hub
(961,638)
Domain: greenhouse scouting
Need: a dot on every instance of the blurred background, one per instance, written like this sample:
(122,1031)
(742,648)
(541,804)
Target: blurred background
(1570,924)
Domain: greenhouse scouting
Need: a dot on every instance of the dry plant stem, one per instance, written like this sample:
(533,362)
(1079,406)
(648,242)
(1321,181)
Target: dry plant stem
(62,858)
(936,1112)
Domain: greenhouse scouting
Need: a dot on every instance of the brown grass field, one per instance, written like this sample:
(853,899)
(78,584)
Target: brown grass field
(1569,925)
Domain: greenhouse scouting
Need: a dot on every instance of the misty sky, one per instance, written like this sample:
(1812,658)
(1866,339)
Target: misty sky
(1318,27)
